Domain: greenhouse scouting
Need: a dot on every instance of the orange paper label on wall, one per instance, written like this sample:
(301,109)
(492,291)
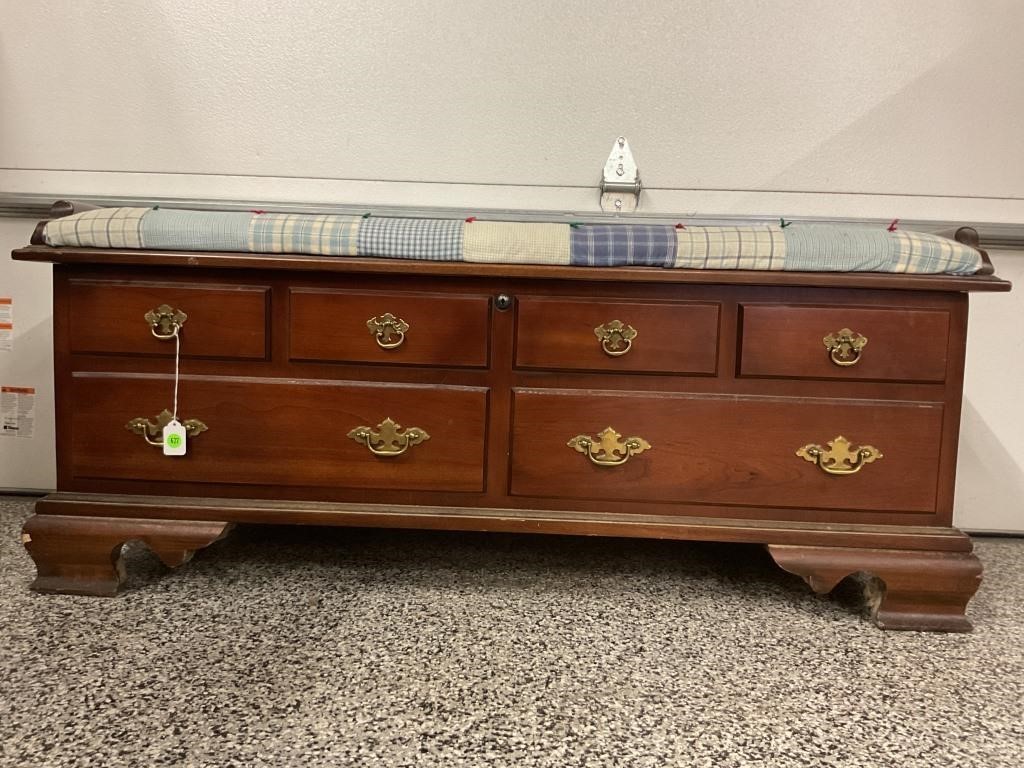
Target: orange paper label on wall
(6,324)
(17,411)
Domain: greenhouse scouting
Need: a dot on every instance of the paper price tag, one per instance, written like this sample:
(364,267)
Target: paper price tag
(174,439)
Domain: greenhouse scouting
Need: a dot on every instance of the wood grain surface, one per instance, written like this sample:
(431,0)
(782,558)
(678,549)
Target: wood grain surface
(726,450)
(787,341)
(279,432)
(727,378)
(557,333)
(444,330)
(224,321)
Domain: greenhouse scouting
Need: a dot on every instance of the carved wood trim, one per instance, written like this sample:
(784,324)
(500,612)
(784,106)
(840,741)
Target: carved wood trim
(82,555)
(926,591)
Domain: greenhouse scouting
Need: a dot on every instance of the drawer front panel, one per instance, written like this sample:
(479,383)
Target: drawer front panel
(427,329)
(670,338)
(222,321)
(726,450)
(281,432)
(788,341)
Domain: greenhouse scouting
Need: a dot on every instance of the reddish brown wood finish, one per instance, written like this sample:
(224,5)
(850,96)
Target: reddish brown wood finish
(402,267)
(726,450)
(82,555)
(279,432)
(671,338)
(443,330)
(722,463)
(787,341)
(108,317)
(555,521)
(921,590)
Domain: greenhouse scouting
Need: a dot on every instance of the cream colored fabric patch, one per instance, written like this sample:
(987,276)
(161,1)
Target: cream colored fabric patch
(102,228)
(494,242)
(756,247)
(919,253)
(299,233)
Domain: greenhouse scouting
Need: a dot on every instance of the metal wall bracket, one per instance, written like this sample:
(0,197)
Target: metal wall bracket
(620,184)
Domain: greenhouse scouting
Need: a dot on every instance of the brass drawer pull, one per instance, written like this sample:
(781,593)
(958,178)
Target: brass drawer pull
(840,458)
(616,337)
(844,346)
(153,433)
(388,439)
(165,321)
(384,327)
(608,449)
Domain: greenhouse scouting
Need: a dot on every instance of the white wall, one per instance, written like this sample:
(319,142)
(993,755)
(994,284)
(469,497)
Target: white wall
(28,463)
(990,465)
(881,108)
(909,108)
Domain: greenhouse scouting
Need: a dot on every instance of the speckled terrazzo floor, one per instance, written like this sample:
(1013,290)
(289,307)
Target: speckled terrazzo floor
(339,647)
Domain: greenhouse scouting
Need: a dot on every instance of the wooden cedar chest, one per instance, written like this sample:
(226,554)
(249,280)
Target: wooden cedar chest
(486,397)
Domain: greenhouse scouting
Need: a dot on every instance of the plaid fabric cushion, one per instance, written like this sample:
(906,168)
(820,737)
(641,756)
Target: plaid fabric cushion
(498,242)
(102,228)
(294,233)
(799,247)
(920,253)
(762,247)
(176,230)
(431,239)
(623,245)
(822,248)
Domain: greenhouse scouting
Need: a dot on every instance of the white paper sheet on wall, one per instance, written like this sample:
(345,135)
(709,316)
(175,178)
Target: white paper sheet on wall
(6,324)
(17,411)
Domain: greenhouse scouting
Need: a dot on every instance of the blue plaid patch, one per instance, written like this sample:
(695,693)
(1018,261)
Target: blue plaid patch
(623,245)
(825,248)
(431,239)
(176,230)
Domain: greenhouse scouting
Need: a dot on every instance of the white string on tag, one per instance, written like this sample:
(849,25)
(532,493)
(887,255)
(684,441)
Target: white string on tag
(177,364)
(175,435)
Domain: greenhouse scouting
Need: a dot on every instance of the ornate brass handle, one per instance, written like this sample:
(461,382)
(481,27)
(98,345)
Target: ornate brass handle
(383,327)
(153,433)
(616,337)
(165,321)
(844,346)
(388,439)
(840,458)
(608,449)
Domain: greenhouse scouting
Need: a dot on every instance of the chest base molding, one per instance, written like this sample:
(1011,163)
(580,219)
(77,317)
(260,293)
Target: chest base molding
(923,576)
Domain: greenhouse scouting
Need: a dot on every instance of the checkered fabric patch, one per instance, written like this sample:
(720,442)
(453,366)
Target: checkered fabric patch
(755,247)
(431,239)
(498,242)
(176,230)
(102,228)
(799,247)
(623,245)
(921,253)
(824,248)
(294,233)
